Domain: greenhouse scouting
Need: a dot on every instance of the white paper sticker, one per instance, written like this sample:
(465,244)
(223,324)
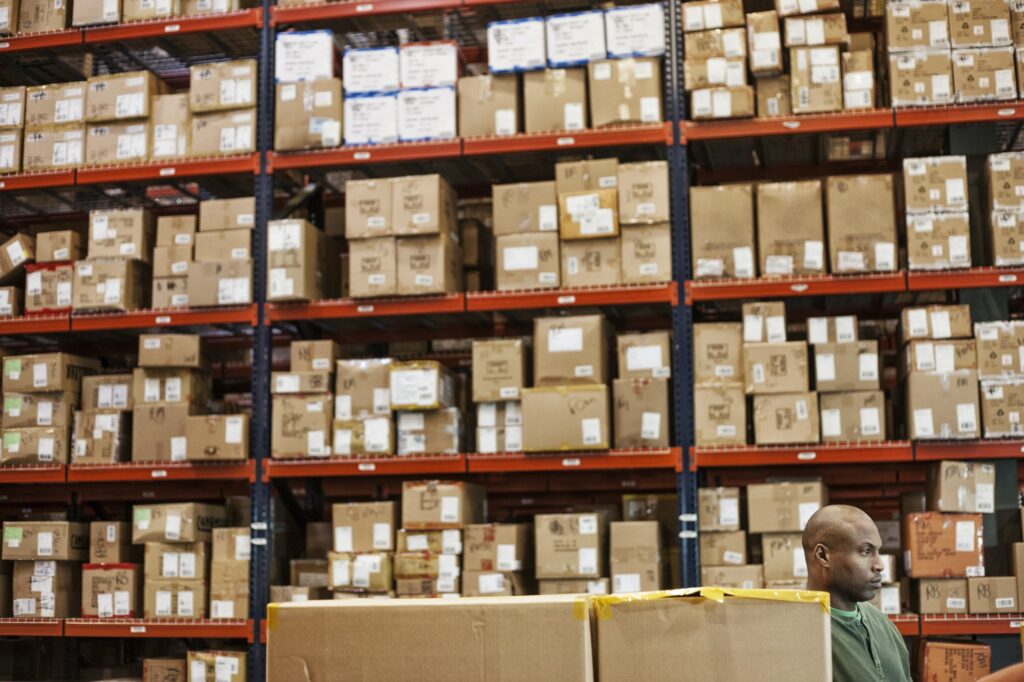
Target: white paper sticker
(965,536)
(966,418)
(799,563)
(343,539)
(870,422)
(587,560)
(776,328)
(984,495)
(923,424)
(807,510)
(831,423)
(728,512)
(450,509)
(565,340)
(591,428)
(172,526)
(44,544)
(650,426)
(588,524)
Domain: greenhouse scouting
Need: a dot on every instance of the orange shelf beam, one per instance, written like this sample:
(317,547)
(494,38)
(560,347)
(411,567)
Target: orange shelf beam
(31,627)
(908,624)
(33,473)
(315,467)
(370,307)
(968,449)
(168,170)
(960,113)
(35,324)
(618,136)
(356,155)
(767,455)
(560,298)
(171,317)
(973,278)
(229,21)
(37,180)
(158,471)
(161,627)
(349,10)
(788,125)
(598,460)
(954,624)
(811,285)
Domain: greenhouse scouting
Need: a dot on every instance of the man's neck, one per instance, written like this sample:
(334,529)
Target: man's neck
(841,603)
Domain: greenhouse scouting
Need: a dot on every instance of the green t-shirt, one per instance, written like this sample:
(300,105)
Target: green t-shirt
(866,647)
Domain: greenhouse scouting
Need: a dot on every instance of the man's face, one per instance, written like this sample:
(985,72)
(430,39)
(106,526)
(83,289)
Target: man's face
(855,569)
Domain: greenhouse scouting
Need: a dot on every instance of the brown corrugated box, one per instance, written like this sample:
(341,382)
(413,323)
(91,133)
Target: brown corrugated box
(984,74)
(783,556)
(309,572)
(586,176)
(176,522)
(301,426)
(227,214)
(940,545)
(992,595)
(846,366)
(573,586)
(749,577)
(163,669)
(498,547)
(217,666)
(307,115)
(954,660)
(42,16)
(14,253)
(938,241)
(367,572)
(110,284)
(525,207)
(728,42)
(500,369)
(10,301)
(120,233)
(1002,401)
(645,354)
(171,350)
(45,540)
(555,99)
(783,507)
(373,436)
(570,545)
(718,102)
(764,321)
(720,415)
(170,127)
(625,91)
(233,244)
(368,211)
(439,505)
(979,23)
(217,437)
(643,193)
(422,205)
(429,265)
(107,392)
(723,548)
(297,261)
(34,445)
(936,595)
(174,599)
(46,372)
(177,230)
(942,406)
(120,96)
(935,184)
(917,25)
(707,14)
(421,385)
(362,388)
(170,292)
(109,542)
(764,43)
(170,385)
(223,133)
(62,599)
(159,432)
(786,8)
(823,29)
(868,243)
(220,282)
(589,214)
(774,97)
(10,150)
(489,105)
(179,560)
(58,245)
(641,412)
(101,438)
(853,416)
(815,83)
(961,487)
(314,356)
(47,149)
(143,10)
(529,261)
(718,509)
(722,231)
(373,267)
(858,80)
(790,226)
(921,77)
(775,367)
(1004,234)
(646,254)
(221,86)
(714,71)
(49,289)
(717,353)
(560,418)
(431,431)
(38,409)
(434,541)
(496,584)
(9,24)
(89,12)
(570,350)
(929,356)
(111,590)
(635,556)
(590,262)
(936,322)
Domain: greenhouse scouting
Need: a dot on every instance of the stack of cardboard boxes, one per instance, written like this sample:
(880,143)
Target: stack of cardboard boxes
(49,281)
(498,560)
(114,276)
(222,101)
(1001,377)
(848,381)
(47,558)
(229,573)
(499,376)
(301,263)
(938,222)
(103,427)
(222,271)
(1005,210)
(117,112)
(403,237)
(307,109)
(111,581)
(362,408)
(302,404)
(363,560)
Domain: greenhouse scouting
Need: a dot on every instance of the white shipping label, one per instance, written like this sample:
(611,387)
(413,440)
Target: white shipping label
(44,413)
(806,510)
(941,328)
(945,357)
(779,265)
(315,445)
(753,328)
(382,536)
(343,539)
(591,428)
(340,572)
(965,533)
(44,544)
(122,603)
(233,430)
(163,608)
(959,249)
(923,423)
(491,583)
(588,524)
(831,423)
(417,542)
(243,547)
(640,358)
(868,367)
(1006,603)
(105,605)
(775,326)
(817,330)
(743,261)
(870,422)
(506,555)
(186,603)
(813,254)
(825,366)
(917,321)
(966,418)
(565,340)
(728,512)
(450,509)
(625,583)
(955,192)
(172,526)
(39,375)
(984,495)
(169,565)
(451,542)
(799,563)
(518,258)
(650,426)
(587,560)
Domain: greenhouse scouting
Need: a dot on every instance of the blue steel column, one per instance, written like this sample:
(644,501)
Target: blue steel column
(682,318)
(259,565)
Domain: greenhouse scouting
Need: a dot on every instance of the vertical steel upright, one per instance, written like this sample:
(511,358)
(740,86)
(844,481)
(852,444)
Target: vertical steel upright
(259,562)
(682,318)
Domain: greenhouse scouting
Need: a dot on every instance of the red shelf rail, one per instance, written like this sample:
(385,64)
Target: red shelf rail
(908,624)
(559,298)
(168,170)
(645,458)
(349,10)
(812,285)
(960,113)
(973,278)
(171,317)
(33,473)
(356,155)
(157,471)
(35,324)
(956,624)
(871,119)
(618,136)
(228,21)
(159,627)
(37,179)
(364,466)
(768,455)
(31,627)
(968,449)
(369,307)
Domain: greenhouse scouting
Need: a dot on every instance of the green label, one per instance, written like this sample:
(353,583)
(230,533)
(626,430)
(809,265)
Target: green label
(12,367)
(12,403)
(142,515)
(12,440)
(12,533)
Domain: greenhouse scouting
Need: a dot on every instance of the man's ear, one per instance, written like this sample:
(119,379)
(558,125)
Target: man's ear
(821,554)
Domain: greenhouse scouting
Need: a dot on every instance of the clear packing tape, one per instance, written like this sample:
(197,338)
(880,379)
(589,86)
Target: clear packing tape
(602,605)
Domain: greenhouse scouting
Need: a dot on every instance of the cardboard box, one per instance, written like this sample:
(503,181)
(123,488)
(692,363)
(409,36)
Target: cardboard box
(516,45)
(171,350)
(221,86)
(954,660)
(489,105)
(938,241)
(179,522)
(174,599)
(570,350)
(632,636)
(38,409)
(720,415)
(941,596)
(496,584)
(574,586)
(296,256)
(45,540)
(173,261)
(858,80)
(439,505)
(961,487)
(46,589)
(422,205)
(442,567)
(588,214)
(58,245)
(635,556)
(290,593)
(179,560)
(936,322)
(1004,174)
(42,16)
(362,389)
(373,267)
(718,509)
(119,96)
(707,44)
(775,367)
(227,214)
(33,445)
(625,91)
(115,233)
(935,184)
(984,74)
(433,541)
(588,262)
(314,356)
(586,176)
(832,330)
(841,367)
(223,133)
(643,193)
(170,385)
(163,669)
(1002,401)
(49,149)
(555,99)
(217,437)
(992,595)
(783,507)
(728,548)
(111,590)
(815,85)
(101,437)
(220,282)
(49,289)
(231,545)
(208,666)
(749,577)
(979,23)
(110,285)
(371,119)
(50,372)
(853,247)
(300,382)
(141,10)
(309,572)
(581,418)
(930,356)
(497,547)
(717,353)
(368,209)
(942,406)
(810,31)
(307,115)
(89,12)
(853,416)
(374,436)
(764,43)
(917,25)
(1005,230)
(644,354)
(920,77)
(574,38)
(500,371)
(783,556)
(550,642)
(10,301)
(301,426)
(722,229)
(428,65)
(236,244)
(433,431)
(107,392)
(790,228)
(109,542)
(888,599)
(170,292)
(940,545)
(713,72)
(646,254)
(177,230)
(171,127)
(528,261)
(774,96)
(420,385)
(10,150)
(429,265)
(9,17)
(642,418)
(786,8)
(570,545)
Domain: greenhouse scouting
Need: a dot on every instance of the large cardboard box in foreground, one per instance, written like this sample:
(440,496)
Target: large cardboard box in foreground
(537,638)
(654,639)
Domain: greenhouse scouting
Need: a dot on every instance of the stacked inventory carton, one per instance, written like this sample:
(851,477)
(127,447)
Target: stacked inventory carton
(427,415)
(362,408)
(172,127)
(635,557)
(527,254)
(40,396)
(715,69)
(790,229)
(112,579)
(646,241)
(476,234)
(54,126)
(722,231)
(217,666)
(371,78)
(403,237)
(489,104)
(939,367)
(171,383)
(46,558)
(920,61)
(1004,174)
(308,107)
(48,282)
(102,429)
(664,509)
(867,242)
(427,76)
(303,406)
(954,660)
(780,511)
(176,539)
(115,274)
(435,516)
(300,263)
(12,123)
(938,224)
(983,57)
(229,573)
(814,44)
(568,408)
(719,401)
(363,557)
(571,553)
(498,560)
(222,100)
(222,271)
(847,377)
(641,393)
(499,376)
(117,113)
(172,258)
(776,373)
(723,542)
(1002,377)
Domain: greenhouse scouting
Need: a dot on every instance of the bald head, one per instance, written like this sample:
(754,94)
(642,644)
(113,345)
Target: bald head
(841,545)
(834,526)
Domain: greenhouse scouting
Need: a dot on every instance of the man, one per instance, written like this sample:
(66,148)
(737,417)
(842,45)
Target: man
(841,546)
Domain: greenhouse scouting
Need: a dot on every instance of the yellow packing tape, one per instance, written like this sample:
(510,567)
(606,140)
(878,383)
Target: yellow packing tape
(271,617)
(603,604)
(580,609)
